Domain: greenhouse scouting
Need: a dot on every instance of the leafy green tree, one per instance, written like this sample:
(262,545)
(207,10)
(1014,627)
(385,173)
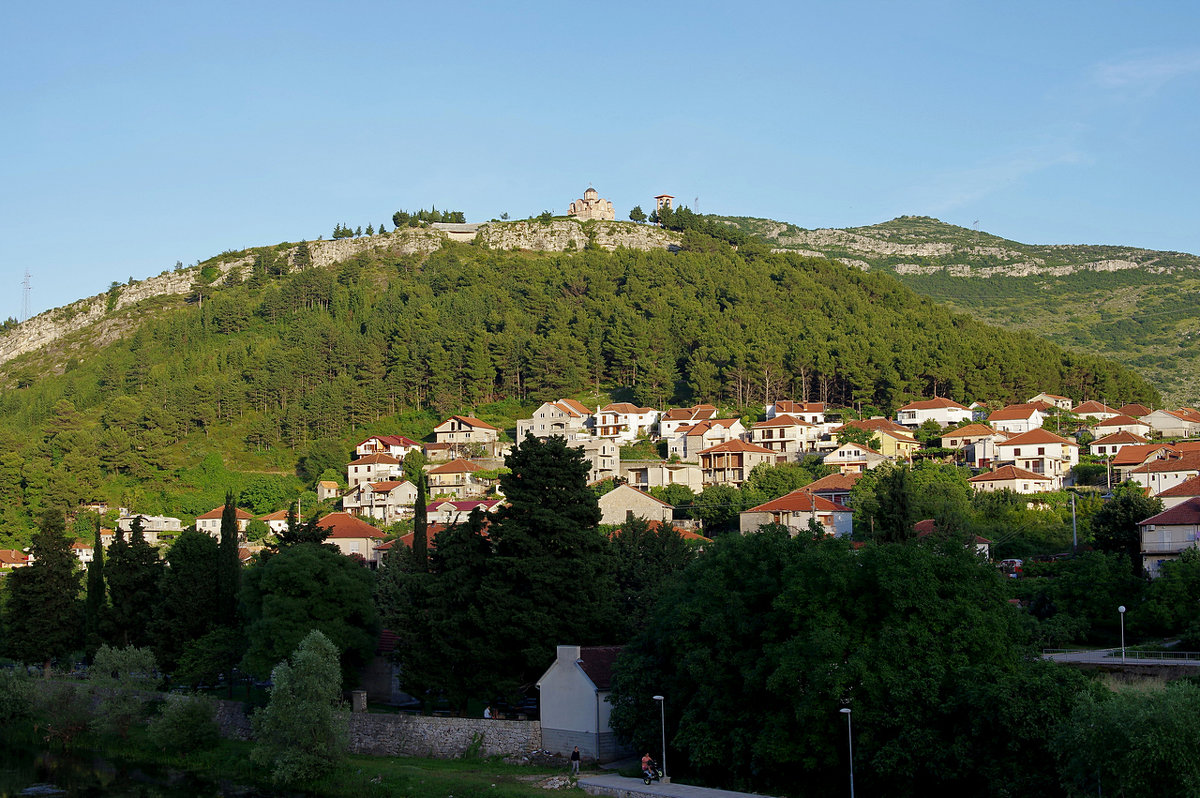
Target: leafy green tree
(643,560)
(319,456)
(123,679)
(1115,526)
(718,507)
(1172,601)
(189,598)
(863,437)
(308,586)
(41,611)
(133,572)
(304,730)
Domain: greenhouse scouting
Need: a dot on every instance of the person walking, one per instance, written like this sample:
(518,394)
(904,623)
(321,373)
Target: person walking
(575,762)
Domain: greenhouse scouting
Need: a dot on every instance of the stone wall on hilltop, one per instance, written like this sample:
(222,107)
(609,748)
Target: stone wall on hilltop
(568,235)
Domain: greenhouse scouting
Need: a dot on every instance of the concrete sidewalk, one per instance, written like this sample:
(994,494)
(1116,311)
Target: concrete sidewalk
(625,787)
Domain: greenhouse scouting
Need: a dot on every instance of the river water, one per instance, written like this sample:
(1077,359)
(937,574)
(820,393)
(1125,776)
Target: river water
(73,774)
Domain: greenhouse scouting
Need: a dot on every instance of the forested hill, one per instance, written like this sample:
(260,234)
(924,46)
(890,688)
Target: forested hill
(270,365)
(1136,306)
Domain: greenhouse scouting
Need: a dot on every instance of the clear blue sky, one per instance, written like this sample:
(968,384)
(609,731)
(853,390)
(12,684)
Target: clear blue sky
(135,135)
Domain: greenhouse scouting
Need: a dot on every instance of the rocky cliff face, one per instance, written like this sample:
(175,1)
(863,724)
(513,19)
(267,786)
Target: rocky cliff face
(568,235)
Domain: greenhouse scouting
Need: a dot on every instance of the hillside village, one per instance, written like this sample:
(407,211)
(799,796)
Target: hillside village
(1032,448)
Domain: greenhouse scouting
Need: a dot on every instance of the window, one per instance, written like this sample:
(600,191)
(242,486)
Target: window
(1016,452)
(1041,451)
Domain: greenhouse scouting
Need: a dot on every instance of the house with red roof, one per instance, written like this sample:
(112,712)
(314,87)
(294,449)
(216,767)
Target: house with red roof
(1180,493)
(1135,410)
(946,412)
(446,512)
(352,536)
(1168,534)
(657,527)
(395,445)
(1041,452)
(795,510)
(624,502)
(1054,400)
(1137,454)
(387,501)
(277,521)
(573,706)
(1181,423)
(1008,477)
(11,558)
(835,487)
(808,412)
(1167,471)
(1017,418)
(1097,411)
(210,522)
(677,417)
(977,442)
(730,463)
(690,440)
(455,478)
(567,418)
(625,422)
(895,441)
(787,434)
(850,458)
(373,468)
(1109,445)
(1121,423)
(462,433)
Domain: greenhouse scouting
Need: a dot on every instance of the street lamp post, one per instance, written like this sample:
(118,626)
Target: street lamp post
(850,744)
(1121,610)
(662,714)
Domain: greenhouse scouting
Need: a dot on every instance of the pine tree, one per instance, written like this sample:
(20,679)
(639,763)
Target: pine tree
(42,615)
(132,573)
(370,230)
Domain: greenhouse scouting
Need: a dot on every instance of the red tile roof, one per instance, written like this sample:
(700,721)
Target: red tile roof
(278,515)
(877,425)
(344,525)
(1092,406)
(1134,409)
(1135,454)
(1181,514)
(656,526)
(10,557)
(456,467)
(1035,436)
(392,440)
(936,403)
(784,420)
(1118,421)
(735,445)
(472,422)
(799,501)
(689,413)
(705,426)
(1189,487)
(387,486)
(1015,412)
(970,431)
(833,483)
(597,663)
(1184,461)
(1008,474)
(487,505)
(241,514)
(1120,436)
(788,406)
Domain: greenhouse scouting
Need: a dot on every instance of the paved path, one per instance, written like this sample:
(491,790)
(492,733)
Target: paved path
(1112,656)
(625,787)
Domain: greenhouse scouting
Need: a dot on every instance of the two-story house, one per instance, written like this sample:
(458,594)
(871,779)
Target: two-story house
(387,501)
(670,421)
(1181,423)
(946,412)
(690,441)
(463,433)
(1167,471)
(1041,452)
(456,512)
(567,418)
(1061,402)
(1168,534)
(977,442)
(644,475)
(395,445)
(1109,445)
(602,453)
(853,458)
(1017,418)
(808,412)
(795,511)
(895,442)
(730,463)
(625,422)
(786,434)
(1008,477)
(624,502)
(353,536)
(210,522)
(1097,411)
(455,478)
(1120,423)
(372,468)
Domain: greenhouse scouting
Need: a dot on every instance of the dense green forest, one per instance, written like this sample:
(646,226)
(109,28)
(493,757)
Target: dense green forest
(267,369)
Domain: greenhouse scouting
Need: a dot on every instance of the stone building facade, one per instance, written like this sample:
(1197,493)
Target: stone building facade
(592,206)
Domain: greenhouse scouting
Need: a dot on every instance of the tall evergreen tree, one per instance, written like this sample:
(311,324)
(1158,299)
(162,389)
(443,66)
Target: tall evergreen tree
(132,573)
(420,546)
(96,607)
(41,611)
(188,605)
(229,572)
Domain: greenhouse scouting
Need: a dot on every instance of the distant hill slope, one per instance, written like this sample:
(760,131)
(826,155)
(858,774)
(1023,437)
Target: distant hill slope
(1138,306)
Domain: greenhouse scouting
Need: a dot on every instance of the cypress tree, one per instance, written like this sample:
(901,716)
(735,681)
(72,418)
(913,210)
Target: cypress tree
(420,545)
(229,571)
(132,573)
(97,598)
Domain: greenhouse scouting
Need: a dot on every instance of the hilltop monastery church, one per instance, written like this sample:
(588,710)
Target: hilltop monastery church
(591,207)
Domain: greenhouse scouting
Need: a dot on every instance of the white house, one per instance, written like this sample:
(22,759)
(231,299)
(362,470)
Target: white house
(1018,480)
(645,475)
(946,412)
(977,442)
(565,417)
(786,434)
(1166,535)
(456,512)
(461,432)
(1097,411)
(852,458)
(625,422)
(352,536)
(1180,493)
(1061,402)
(795,510)
(603,454)
(1166,472)
(1041,452)
(1017,418)
(387,501)
(572,702)
(808,412)
(455,478)
(1182,423)
(153,526)
(395,445)
(690,441)
(372,468)
(730,463)
(210,522)
(670,421)
(1121,423)
(1109,445)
